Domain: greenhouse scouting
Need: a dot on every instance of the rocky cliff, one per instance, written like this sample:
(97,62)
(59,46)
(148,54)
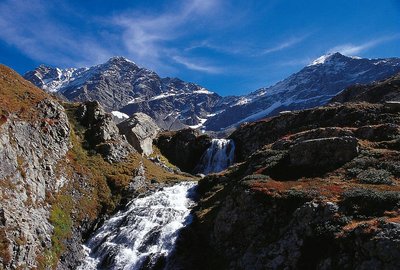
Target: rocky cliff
(34,139)
(321,194)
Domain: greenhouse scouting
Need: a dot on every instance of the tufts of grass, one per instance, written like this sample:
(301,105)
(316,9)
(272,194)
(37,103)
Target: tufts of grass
(375,177)
(17,96)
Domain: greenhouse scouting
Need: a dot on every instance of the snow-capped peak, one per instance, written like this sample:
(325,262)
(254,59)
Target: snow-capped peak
(330,57)
(120,59)
(320,60)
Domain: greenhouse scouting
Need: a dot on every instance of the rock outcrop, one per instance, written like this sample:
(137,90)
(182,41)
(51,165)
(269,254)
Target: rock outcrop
(140,130)
(249,138)
(183,148)
(102,133)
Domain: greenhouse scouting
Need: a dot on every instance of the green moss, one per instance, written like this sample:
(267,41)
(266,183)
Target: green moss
(60,218)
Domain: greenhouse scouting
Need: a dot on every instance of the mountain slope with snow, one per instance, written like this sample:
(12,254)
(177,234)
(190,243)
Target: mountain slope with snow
(312,86)
(123,87)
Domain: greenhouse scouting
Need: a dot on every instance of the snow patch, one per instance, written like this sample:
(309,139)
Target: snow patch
(320,60)
(120,115)
(203,91)
(200,124)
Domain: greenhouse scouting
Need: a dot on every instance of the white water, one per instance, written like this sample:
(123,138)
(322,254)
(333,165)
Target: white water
(144,233)
(217,157)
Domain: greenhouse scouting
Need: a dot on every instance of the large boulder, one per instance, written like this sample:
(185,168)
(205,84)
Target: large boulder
(102,134)
(323,152)
(140,130)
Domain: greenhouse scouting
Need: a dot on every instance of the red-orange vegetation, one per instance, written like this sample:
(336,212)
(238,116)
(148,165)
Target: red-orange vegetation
(17,95)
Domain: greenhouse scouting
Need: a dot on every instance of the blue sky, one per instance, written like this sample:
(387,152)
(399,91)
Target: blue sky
(230,47)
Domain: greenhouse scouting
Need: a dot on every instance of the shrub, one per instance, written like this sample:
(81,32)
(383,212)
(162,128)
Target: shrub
(368,202)
(375,177)
(254,178)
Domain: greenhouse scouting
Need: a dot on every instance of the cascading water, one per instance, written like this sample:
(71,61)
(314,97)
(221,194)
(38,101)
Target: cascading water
(143,235)
(217,157)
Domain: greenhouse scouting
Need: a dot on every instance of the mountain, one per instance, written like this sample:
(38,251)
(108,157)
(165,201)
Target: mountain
(378,92)
(124,88)
(312,86)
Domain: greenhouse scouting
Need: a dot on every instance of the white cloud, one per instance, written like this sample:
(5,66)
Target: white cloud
(352,49)
(146,37)
(285,44)
(34,27)
(196,65)
(30,27)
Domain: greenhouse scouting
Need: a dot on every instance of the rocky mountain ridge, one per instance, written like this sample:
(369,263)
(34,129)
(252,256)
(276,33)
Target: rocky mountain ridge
(312,86)
(123,87)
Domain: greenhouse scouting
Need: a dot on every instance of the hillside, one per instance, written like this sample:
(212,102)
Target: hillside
(320,191)
(378,92)
(18,96)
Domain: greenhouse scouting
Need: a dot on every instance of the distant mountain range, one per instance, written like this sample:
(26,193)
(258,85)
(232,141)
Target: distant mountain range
(124,88)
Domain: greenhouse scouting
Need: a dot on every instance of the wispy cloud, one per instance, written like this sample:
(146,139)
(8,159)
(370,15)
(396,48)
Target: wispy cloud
(31,27)
(232,48)
(352,49)
(247,49)
(150,39)
(295,62)
(197,65)
(285,44)
(146,37)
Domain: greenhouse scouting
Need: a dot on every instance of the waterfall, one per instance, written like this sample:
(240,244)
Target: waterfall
(144,234)
(217,157)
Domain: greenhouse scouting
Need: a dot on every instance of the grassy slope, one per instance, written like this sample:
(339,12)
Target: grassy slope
(17,95)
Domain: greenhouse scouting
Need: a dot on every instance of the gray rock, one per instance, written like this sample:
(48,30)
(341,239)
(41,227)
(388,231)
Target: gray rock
(102,133)
(392,106)
(382,132)
(323,152)
(139,181)
(29,154)
(140,130)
